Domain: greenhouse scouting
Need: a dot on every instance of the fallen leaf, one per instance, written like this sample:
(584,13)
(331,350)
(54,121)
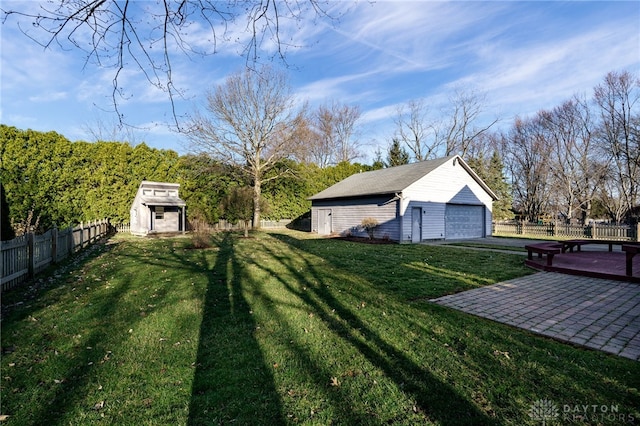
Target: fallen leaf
(4,417)
(99,405)
(505,354)
(334,381)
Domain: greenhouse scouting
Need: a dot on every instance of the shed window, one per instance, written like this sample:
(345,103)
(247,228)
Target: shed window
(160,213)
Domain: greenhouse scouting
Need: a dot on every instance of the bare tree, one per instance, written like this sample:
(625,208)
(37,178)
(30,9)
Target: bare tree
(345,119)
(462,129)
(336,126)
(322,142)
(305,144)
(526,151)
(576,172)
(251,121)
(103,129)
(617,101)
(414,129)
(146,34)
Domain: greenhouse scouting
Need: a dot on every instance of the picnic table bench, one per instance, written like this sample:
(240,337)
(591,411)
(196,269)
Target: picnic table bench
(571,244)
(631,250)
(548,249)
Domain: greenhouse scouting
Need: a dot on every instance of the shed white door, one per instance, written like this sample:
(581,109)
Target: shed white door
(324,221)
(463,221)
(416,224)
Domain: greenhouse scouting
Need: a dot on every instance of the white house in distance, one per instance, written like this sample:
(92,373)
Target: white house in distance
(157,208)
(429,200)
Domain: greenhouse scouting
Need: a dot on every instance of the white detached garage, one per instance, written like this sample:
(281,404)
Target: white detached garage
(429,200)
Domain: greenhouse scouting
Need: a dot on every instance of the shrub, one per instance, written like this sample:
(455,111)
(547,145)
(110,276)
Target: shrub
(369,224)
(201,239)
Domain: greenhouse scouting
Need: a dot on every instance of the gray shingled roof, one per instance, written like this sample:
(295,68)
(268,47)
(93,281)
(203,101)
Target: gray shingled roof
(384,181)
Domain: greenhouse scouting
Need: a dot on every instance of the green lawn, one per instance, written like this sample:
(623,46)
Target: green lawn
(286,328)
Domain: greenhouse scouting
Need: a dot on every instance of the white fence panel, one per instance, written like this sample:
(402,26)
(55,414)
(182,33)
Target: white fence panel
(29,254)
(552,230)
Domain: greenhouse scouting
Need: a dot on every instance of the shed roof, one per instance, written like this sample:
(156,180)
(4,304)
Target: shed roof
(162,201)
(391,180)
(159,200)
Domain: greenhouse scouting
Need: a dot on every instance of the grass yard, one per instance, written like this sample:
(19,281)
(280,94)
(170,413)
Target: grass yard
(286,328)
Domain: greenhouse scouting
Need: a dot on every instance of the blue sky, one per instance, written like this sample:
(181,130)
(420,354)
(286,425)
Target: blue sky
(523,56)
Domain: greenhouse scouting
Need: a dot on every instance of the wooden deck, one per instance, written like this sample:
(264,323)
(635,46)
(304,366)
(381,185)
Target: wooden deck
(596,264)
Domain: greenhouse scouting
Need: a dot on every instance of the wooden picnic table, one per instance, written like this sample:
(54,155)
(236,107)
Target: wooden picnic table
(631,250)
(548,249)
(571,244)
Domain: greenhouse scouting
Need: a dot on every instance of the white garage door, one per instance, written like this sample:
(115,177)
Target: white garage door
(462,221)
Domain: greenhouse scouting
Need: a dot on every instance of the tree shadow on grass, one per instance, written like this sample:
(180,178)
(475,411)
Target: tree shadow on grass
(232,382)
(438,401)
(507,370)
(74,365)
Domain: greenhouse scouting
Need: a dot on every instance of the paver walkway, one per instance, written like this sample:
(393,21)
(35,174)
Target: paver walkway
(591,312)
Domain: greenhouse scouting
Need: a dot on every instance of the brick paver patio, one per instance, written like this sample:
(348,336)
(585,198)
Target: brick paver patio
(595,313)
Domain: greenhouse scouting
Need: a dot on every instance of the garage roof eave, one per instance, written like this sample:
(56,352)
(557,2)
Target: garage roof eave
(363,195)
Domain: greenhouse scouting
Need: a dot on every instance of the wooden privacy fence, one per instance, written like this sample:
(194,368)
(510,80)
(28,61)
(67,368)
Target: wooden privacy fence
(553,230)
(223,225)
(25,256)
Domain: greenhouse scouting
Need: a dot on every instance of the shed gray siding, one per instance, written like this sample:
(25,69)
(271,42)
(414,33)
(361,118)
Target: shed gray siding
(347,215)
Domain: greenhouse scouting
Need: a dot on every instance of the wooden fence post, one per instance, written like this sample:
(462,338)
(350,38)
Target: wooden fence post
(54,245)
(638,231)
(70,240)
(31,254)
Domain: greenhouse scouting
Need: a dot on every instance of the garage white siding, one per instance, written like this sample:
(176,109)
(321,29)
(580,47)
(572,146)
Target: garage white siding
(448,185)
(464,221)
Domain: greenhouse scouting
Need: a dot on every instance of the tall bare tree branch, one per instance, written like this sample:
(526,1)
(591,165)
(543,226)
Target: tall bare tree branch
(113,33)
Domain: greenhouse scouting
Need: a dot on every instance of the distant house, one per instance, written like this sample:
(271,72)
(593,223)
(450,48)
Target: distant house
(429,200)
(157,208)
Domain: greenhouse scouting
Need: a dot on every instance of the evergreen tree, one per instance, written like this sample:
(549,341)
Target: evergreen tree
(397,155)
(6,232)
(491,171)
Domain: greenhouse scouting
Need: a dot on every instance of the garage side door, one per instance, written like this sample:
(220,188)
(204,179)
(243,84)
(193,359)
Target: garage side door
(463,221)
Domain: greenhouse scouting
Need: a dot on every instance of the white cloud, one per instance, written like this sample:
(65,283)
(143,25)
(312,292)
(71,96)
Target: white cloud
(49,97)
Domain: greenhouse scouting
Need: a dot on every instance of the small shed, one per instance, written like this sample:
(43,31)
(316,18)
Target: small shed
(157,208)
(428,200)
